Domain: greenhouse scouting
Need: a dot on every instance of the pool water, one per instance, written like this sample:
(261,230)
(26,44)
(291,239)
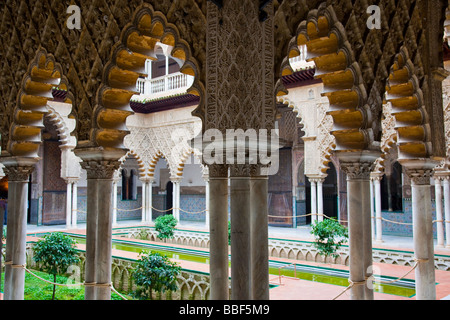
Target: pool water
(404,288)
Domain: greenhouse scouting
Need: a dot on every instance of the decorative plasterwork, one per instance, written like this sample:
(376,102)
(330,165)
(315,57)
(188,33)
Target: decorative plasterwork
(151,138)
(312,114)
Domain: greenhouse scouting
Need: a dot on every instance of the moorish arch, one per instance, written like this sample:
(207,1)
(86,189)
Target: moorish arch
(334,58)
(412,122)
(43,75)
(126,64)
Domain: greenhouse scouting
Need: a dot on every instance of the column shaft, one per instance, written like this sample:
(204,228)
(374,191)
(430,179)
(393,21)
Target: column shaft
(372,209)
(218,233)
(439,214)
(423,241)
(356,235)
(240,238)
(320,200)
(18,177)
(144,201)
(19,248)
(10,236)
(176,199)
(447,210)
(74,203)
(367,225)
(149,201)
(69,204)
(103,250)
(313,201)
(379,221)
(259,238)
(114,215)
(207,204)
(91,238)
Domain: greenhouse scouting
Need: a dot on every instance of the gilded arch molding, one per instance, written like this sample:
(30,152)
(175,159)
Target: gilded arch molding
(404,93)
(43,74)
(336,65)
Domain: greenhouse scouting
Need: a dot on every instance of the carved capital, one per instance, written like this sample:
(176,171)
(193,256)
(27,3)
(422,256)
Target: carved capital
(18,173)
(100,169)
(419,177)
(357,170)
(244,170)
(218,171)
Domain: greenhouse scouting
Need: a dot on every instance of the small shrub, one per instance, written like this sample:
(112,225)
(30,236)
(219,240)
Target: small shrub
(154,272)
(55,253)
(329,235)
(165,226)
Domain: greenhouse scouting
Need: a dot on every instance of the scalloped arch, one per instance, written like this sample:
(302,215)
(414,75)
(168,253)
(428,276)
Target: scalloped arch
(42,75)
(133,154)
(327,44)
(411,118)
(126,64)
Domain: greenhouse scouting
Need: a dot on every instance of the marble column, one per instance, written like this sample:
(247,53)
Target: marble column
(18,172)
(176,198)
(218,232)
(240,232)
(74,203)
(358,166)
(420,173)
(206,178)
(149,199)
(378,215)
(446,182)
(259,238)
(389,192)
(100,176)
(114,192)
(69,204)
(320,199)
(367,240)
(439,213)
(103,252)
(144,201)
(372,209)
(313,200)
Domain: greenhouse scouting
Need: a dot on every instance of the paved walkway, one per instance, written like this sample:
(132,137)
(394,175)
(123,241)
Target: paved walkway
(293,289)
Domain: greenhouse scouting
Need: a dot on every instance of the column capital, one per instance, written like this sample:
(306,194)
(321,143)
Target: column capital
(71,180)
(147,179)
(18,168)
(419,176)
(176,179)
(358,164)
(100,169)
(441,175)
(218,170)
(357,170)
(376,176)
(316,179)
(419,171)
(18,173)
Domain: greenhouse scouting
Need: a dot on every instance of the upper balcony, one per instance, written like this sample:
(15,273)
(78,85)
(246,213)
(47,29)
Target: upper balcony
(165,87)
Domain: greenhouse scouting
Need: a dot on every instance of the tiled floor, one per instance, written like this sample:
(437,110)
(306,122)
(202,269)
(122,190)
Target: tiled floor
(294,289)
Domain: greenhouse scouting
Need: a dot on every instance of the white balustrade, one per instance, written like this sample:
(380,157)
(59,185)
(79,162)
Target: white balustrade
(165,85)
